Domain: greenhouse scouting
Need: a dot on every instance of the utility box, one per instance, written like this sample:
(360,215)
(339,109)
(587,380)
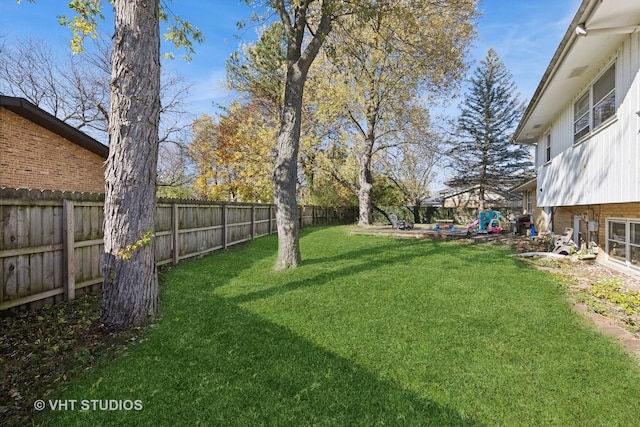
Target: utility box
(593,225)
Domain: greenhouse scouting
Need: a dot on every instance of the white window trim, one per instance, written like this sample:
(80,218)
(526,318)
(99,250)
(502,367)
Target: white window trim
(607,121)
(627,243)
(547,148)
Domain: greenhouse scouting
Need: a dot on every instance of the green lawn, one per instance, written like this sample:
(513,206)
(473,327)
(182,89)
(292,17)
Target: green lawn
(369,331)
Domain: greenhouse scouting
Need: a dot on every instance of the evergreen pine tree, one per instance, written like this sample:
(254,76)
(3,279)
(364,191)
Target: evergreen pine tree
(482,154)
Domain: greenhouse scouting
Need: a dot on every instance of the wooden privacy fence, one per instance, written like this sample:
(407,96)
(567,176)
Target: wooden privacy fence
(51,242)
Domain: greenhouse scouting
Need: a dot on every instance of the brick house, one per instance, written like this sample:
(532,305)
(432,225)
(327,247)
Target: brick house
(39,151)
(584,124)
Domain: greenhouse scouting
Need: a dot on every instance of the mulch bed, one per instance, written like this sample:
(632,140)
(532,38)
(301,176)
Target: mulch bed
(41,350)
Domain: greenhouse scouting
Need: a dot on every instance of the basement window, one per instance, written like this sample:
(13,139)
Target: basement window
(623,241)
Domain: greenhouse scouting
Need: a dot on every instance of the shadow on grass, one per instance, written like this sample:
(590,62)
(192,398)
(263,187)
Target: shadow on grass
(456,255)
(225,366)
(359,260)
(211,362)
(214,360)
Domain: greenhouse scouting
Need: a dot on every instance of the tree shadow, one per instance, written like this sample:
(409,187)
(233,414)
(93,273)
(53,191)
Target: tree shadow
(361,260)
(227,366)
(213,361)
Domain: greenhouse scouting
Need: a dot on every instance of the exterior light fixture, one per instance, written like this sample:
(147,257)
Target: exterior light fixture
(582,31)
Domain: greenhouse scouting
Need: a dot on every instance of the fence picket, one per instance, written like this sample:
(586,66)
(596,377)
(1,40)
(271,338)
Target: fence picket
(51,247)
(175,237)
(68,229)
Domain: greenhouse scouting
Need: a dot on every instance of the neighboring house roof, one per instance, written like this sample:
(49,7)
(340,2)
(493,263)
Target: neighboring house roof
(529,185)
(29,111)
(432,201)
(491,192)
(598,27)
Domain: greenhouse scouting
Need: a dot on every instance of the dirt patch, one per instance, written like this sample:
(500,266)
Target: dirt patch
(42,350)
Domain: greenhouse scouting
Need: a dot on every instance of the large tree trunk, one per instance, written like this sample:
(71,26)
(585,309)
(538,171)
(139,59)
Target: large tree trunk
(415,209)
(481,207)
(286,170)
(364,193)
(365,178)
(130,294)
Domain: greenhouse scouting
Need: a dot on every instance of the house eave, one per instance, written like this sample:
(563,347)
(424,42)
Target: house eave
(576,61)
(29,111)
(564,46)
(529,185)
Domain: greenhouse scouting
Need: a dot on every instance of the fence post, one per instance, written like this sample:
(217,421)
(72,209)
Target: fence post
(68,243)
(253,222)
(300,217)
(175,236)
(224,226)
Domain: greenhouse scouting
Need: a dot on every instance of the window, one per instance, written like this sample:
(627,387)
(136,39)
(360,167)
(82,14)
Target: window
(581,117)
(616,240)
(596,106)
(634,243)
(604,97)
(547,150)
(623,240)
(529,201)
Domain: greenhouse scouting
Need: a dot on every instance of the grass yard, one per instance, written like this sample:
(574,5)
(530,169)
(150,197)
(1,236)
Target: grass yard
(369,331)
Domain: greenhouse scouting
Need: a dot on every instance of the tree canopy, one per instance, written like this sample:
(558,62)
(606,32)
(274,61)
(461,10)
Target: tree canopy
(233,155)
(482,153)
(388,65)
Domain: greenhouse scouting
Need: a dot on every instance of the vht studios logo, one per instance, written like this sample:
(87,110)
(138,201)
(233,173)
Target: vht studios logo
(88,405)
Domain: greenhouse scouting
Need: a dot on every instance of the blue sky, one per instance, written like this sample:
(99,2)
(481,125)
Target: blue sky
(524,33)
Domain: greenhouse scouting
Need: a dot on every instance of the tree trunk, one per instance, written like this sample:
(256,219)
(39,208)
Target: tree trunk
(286,170)
(365,180)
(130,293)
(364,196)
(415,209)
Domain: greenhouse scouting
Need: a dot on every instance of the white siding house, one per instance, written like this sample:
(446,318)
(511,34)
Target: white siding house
(584,121)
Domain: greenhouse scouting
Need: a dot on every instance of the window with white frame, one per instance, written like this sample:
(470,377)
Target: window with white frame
(547,149)
(581,117)
(623,240)
(529,201)
(604,97)
(595,106)
(634,243)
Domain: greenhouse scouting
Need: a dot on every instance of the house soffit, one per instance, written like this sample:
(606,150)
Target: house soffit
(577,62)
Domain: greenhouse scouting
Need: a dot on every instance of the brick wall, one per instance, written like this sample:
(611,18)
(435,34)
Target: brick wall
(537,212)
(564,218)
(34,157)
